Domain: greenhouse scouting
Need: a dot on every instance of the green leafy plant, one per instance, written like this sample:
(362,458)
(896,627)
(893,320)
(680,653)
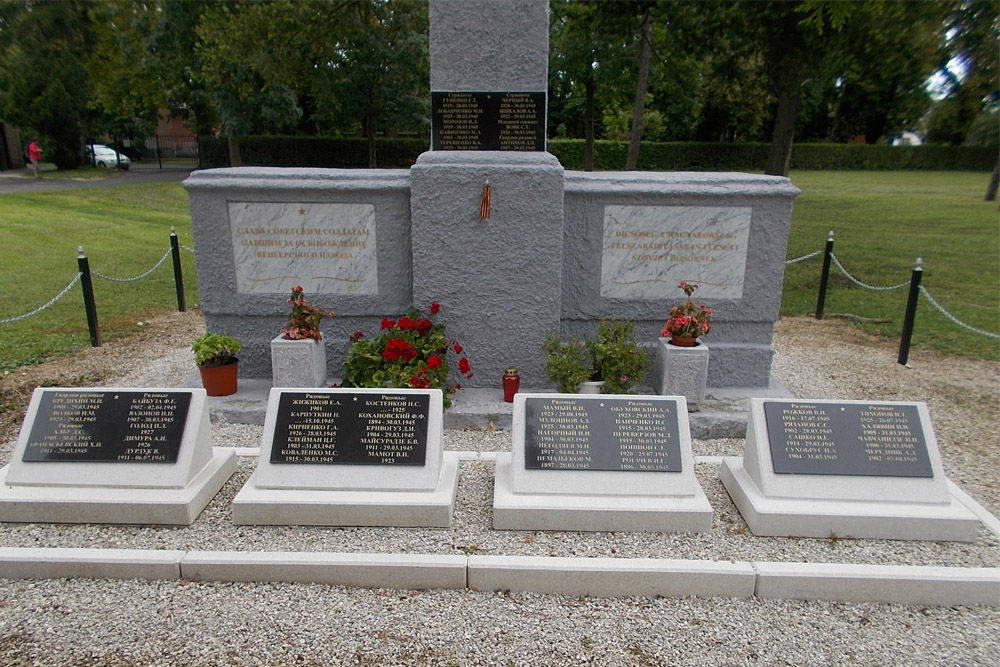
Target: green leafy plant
(212,350)
(566,363)
(615,356)
(612,356)
(303,323)
(411,352)
(687,319)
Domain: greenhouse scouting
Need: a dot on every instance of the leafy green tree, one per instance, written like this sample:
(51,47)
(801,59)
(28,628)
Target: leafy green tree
(44,83)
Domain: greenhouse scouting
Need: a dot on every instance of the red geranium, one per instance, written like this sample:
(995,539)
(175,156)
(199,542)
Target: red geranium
(397,349)
(435,307)
(387,323)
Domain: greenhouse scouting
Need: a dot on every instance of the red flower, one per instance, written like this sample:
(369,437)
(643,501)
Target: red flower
(458,349)
(419,382)
(398,349)
(357,335)
(435,307)
(458,386)
(464,366)
(406,324)
(424,326)
(387,323)
(434,361)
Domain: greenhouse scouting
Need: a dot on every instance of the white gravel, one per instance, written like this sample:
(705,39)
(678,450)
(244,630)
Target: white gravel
(101,622)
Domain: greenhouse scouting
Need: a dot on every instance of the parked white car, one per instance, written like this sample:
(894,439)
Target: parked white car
(105,156)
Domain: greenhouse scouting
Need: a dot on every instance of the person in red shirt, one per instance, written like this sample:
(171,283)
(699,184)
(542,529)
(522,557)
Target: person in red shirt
(35,154)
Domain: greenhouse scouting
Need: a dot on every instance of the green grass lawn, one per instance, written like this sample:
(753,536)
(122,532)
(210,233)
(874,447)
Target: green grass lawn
(882,222)
(124,231)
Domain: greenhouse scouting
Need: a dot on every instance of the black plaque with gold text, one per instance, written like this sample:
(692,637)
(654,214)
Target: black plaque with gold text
(633,434)
(488,121)
(351,428)
(872,439)
(103,426)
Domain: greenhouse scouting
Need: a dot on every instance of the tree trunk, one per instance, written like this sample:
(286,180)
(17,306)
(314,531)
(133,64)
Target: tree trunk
(588,123)
(991,190)
(234,152)
(780,158)
(370,131)
(640,94)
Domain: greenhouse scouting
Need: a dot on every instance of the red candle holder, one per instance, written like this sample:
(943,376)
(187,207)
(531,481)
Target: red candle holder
(511,383)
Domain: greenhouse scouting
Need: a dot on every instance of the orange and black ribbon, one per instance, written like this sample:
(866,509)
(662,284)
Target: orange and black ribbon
(484,208)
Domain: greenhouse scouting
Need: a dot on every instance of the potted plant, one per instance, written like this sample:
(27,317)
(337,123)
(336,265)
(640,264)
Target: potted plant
(411,352)
(298,354)
(610,362)
(687,321)
(566,363)
(682,359)
(215,355)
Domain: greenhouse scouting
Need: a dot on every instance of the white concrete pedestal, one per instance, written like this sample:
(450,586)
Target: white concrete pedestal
(682,371)
(298,363)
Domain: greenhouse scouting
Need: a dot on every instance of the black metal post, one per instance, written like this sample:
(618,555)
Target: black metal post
(911,311)
(175,253)
(159,157)
(88,298)
(824,278)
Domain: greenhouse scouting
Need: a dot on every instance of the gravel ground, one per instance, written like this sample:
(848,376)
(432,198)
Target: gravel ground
(100,622)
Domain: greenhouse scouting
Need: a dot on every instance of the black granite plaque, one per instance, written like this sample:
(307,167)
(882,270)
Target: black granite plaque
(108,426)
(873,439)
(351,428)
(488,121)
(633,434)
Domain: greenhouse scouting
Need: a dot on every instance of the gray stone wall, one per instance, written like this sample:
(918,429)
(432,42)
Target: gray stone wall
(503,282)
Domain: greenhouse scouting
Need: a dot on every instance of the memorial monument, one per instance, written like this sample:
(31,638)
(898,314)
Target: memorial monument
(492,227)
(845,469)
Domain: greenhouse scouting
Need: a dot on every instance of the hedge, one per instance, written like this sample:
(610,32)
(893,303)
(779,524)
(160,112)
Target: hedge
(608,155)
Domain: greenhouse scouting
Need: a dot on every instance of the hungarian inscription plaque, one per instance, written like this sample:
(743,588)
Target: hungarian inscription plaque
(108,427)
(488,121)
(349,428)
(607,434)
(873,439)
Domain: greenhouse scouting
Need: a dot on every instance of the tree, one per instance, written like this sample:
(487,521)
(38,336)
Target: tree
(44,83)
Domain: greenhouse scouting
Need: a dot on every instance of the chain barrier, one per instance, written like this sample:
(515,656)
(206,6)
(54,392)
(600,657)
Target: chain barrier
(941,309)
(188,248)
(861,284)
(11,320)
(804,257)
(139,277)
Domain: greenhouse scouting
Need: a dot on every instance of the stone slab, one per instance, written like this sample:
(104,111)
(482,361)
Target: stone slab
(825,518)
(681,371)
(106,416)
(66,504)
(315,507)
(55,563)
(612,577)
(360,570)
(611,513)
(881,584)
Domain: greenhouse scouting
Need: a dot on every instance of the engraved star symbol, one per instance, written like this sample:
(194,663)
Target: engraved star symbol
(302,211)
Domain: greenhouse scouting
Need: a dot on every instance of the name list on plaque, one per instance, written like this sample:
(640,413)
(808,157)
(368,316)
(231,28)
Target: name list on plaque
(351,428)
(875,439)
(606,434)
(488,121)
(108,427)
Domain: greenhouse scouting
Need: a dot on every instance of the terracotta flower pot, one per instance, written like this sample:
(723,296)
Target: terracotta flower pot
(219,380)
(683,341)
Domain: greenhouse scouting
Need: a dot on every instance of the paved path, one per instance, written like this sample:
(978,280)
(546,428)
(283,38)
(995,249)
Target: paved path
(15,180)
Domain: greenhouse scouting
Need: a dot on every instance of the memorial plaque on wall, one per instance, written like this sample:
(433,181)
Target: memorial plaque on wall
(608,434)
(108,427)
(360,429)
(488,121)
(873,439)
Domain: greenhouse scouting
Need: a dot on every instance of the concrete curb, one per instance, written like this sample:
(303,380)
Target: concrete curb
(597,577)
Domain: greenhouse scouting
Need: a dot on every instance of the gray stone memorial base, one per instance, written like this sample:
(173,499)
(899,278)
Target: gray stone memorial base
(681,371)
(843,506)
(351,495)
(118,493)
(598,500)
